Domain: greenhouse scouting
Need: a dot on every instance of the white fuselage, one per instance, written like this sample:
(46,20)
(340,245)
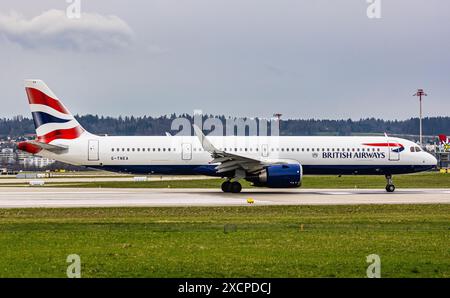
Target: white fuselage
(184,154)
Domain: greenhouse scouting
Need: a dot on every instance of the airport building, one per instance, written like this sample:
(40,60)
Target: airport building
(10,157)
(34,161)
(7,156)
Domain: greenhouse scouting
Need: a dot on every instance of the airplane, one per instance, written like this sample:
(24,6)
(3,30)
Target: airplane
(265,161)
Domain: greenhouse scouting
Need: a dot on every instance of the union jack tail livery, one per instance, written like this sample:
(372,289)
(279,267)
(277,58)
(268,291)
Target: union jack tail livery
(52,119)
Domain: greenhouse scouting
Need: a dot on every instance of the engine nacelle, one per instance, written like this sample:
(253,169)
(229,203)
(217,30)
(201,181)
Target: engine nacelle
(279,176)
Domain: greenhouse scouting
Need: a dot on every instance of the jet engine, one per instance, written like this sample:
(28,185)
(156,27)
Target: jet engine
(278,176)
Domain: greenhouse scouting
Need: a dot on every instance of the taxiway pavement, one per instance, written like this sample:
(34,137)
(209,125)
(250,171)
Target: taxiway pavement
(34,197)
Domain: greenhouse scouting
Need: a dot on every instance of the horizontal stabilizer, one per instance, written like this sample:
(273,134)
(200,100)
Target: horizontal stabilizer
(49,147)
(34,147)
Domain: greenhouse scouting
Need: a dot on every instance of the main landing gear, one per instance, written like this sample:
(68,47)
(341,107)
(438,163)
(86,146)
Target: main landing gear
(390,187)
(234,187)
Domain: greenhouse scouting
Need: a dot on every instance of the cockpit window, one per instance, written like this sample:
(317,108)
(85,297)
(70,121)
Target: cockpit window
(418,149)
(415,149)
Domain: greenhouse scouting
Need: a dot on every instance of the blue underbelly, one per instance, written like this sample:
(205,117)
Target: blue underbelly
(209,170)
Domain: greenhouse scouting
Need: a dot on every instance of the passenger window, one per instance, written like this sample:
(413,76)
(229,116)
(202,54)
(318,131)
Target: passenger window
(112,149)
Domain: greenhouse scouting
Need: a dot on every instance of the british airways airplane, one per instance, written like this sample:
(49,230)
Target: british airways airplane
(269,161)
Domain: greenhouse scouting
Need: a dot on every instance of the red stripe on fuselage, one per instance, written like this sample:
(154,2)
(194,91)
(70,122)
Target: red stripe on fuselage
(384,144)
(36,96)
(68,134)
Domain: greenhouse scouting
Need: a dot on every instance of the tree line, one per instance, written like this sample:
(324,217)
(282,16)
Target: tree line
(158,126)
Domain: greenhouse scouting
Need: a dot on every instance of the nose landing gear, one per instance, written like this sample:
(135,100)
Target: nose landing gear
(390,187)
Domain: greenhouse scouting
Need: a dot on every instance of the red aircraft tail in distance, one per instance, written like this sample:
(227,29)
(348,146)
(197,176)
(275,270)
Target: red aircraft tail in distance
(443,139)
(444,142)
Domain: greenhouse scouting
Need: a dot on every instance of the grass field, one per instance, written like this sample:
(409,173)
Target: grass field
(423,180)
(276,241)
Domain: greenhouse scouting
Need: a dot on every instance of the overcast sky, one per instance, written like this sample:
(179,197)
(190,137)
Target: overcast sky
(302,58)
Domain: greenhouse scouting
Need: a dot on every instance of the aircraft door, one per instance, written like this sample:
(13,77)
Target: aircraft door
(93,154)
(394,151)
(264,150)
(186,151)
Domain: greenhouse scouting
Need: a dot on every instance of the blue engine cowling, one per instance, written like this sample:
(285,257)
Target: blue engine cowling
(279,176)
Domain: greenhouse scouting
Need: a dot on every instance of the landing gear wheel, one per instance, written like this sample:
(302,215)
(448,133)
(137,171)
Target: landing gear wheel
(226,186)
(390,188)
(235,187)
(390,185)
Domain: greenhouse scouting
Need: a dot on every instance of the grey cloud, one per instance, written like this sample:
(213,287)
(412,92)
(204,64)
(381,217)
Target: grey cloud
(91,32)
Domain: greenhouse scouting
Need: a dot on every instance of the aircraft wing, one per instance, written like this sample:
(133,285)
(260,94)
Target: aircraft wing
(229,161)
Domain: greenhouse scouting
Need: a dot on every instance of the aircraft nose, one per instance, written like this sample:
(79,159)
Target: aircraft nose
(430,160)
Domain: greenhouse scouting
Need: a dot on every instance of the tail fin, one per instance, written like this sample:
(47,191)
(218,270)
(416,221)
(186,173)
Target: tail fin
(52,119)
(444,139)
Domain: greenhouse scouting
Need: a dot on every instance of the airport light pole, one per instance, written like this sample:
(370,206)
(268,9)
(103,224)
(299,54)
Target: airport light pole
(420,93)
